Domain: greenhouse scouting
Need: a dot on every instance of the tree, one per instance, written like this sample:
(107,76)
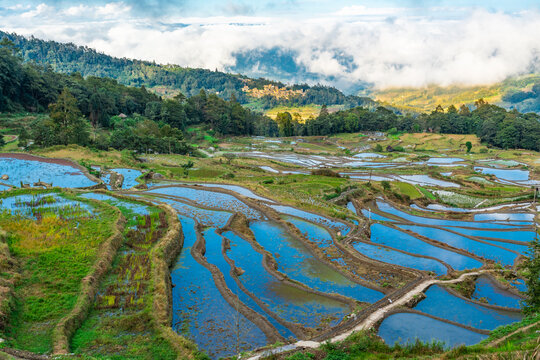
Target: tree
(187,166)
(285,124)
(69,126)
(468,144)
(532,274)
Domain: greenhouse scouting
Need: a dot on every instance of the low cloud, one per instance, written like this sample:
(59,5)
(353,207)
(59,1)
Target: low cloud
(382,47)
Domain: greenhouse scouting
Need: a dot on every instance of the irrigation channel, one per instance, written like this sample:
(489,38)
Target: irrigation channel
(253,272)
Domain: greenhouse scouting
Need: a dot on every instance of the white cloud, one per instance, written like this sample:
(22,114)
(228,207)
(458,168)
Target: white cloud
(412,50)
(77,10)
(41,9)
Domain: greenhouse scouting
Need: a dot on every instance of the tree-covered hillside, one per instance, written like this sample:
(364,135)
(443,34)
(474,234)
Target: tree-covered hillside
(169,79)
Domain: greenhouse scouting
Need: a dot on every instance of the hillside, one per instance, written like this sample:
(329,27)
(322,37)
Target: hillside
(169,80)
(518,93)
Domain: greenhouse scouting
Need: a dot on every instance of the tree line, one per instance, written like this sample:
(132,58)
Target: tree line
(492,124)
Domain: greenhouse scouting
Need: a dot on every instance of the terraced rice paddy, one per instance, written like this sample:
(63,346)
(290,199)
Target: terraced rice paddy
(253,271)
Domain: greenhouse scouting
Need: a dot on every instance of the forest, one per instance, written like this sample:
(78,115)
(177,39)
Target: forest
(121,117)
(69,58)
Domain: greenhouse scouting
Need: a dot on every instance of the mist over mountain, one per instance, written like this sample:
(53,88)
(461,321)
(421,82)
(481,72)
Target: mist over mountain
(281,65)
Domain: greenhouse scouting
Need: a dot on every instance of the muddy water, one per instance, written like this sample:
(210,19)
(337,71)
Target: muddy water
(441,303)
(199,311)
(405,328)
(295,260)
(288,302)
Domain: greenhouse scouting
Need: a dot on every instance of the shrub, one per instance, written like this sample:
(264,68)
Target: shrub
(325,172)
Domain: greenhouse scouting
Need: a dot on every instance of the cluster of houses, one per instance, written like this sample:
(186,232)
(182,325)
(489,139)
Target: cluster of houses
(274,91)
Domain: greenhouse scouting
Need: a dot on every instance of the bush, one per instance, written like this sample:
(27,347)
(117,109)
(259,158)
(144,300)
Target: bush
(385,184)
(325,172)
(268,181)
(377,148)
(228,176)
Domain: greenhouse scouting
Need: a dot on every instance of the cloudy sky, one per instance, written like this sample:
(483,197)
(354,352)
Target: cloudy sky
(387,43)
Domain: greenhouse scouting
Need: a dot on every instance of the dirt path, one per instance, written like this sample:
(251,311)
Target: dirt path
(379,314)
(376,316)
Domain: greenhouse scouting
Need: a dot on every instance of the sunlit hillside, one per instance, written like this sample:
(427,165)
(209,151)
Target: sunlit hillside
(426,99)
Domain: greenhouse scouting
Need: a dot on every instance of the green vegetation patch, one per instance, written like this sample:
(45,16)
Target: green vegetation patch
(120,324)
(55,253)
(407,189)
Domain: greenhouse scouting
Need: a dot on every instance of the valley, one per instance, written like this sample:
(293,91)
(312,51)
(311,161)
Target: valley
(275,246)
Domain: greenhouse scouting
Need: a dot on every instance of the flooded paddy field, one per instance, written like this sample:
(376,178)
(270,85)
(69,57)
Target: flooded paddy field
(257,268)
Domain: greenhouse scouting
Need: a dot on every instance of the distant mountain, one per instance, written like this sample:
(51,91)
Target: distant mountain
(521,93)
(168,80)
(280,65)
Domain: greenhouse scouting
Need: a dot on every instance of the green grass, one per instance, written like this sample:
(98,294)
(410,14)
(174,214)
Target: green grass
(55,254)
(407,189)
(427,193)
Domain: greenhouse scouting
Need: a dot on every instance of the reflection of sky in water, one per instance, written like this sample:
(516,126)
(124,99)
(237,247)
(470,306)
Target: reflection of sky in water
(200,312)
(289,302)
(31,171)
(295,260)
(505,174)
(439,302)
(51,203)
(210,199)
(335,225)
(483,250)
(399,240)
(399,258)
(137,208)
(405,328)
(486,290)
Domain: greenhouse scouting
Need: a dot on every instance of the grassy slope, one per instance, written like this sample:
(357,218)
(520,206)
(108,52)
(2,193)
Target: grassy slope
(54,255)
(426,99)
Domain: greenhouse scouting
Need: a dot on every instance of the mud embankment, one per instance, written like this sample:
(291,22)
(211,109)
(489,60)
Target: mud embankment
(197,251)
